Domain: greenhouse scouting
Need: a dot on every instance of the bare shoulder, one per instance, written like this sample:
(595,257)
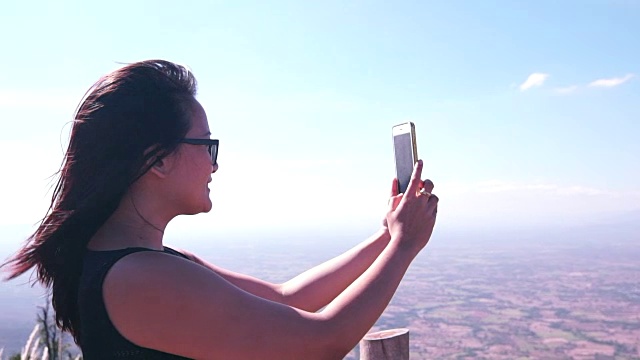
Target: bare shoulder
(149,270)
(171,304)
(144,286)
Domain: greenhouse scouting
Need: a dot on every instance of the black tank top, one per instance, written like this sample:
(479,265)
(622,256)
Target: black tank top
(99,339)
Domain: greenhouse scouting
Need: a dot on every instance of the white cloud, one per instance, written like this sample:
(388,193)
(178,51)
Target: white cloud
(566,90)
(611,82)
(535,79)
(503,203)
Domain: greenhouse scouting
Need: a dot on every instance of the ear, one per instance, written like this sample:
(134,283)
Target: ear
(160,167)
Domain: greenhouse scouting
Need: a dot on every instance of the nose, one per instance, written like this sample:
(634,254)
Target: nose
(214,168)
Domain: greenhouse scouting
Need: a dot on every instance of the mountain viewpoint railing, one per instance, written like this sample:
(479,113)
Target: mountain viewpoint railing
(385,345)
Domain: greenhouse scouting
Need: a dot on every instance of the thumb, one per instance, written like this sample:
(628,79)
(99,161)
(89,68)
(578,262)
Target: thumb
(394,187)
(394,201)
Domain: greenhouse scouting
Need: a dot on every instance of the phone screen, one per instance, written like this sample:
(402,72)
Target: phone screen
(403,149)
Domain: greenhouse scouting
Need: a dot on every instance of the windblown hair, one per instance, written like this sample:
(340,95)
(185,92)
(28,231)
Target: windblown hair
(128,120)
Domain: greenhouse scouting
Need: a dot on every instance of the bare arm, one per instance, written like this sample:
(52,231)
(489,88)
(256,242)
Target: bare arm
(166,303)
(316,287)
(169,304)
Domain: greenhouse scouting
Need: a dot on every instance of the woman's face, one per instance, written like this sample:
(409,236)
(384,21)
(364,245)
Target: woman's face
(193,167)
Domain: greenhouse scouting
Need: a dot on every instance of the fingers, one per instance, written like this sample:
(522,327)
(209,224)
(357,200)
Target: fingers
(394,187)
(394,201)
(427,185)
(415,181)
(432,204)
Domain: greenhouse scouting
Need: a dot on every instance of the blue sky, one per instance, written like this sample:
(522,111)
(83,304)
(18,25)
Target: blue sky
(526,112)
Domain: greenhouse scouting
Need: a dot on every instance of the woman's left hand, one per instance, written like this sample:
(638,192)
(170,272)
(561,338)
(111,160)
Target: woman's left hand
(395,198)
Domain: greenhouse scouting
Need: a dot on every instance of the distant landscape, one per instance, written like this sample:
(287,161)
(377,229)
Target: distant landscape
(524,300)
(558,294)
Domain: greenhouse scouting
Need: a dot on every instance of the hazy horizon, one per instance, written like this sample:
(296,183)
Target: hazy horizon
(289,254)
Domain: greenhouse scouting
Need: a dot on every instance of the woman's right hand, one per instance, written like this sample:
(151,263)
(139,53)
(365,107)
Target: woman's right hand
(412,215)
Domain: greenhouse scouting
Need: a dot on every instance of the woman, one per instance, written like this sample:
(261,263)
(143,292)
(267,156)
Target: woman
(140,154)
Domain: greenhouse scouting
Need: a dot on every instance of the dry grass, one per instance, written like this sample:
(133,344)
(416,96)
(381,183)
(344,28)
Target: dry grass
(33,349)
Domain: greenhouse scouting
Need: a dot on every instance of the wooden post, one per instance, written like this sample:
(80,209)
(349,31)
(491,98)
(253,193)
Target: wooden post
(385,345)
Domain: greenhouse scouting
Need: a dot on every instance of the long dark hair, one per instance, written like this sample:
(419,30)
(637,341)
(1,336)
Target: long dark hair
(128,119)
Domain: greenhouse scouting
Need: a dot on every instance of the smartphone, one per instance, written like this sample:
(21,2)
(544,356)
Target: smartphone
(406,153)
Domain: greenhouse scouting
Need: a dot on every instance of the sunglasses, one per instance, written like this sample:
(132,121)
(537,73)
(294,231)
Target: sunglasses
(212,146)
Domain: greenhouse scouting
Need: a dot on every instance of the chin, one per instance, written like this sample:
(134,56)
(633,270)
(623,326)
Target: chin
(207,206)
(203,207)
